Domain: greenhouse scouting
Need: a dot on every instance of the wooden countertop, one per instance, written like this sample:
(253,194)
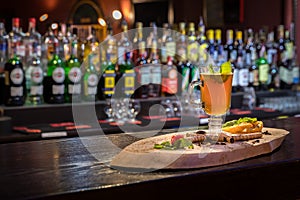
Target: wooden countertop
(65,169)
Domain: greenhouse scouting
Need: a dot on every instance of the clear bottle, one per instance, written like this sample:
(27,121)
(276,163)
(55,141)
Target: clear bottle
(49,44)
(15,41)
(167,44)
(91,47)
(139,44)
(192,47)
(211,48)
(124,44)
(32,42)
(64,43)
(243,73)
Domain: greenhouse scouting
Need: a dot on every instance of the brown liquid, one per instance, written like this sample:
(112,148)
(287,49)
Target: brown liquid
(216,93)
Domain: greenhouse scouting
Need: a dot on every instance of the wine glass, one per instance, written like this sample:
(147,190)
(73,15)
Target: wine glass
(134,107)
(215,94)
(109,111)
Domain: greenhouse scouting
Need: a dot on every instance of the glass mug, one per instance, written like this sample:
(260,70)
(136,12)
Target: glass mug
(215,94)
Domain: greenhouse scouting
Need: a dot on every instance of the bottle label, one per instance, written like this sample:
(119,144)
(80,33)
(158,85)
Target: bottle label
(20,50)
(129,82)
(289,52)
(58,89)
(91,85)
(286,75)
(170,49)
(253,77)
(185,78)
(36,90)
(263,73)
(36,75)
(109,82)
(58,75)
(74,89)
(75,75)
(243,77)
(192,52)
(121,54)
(144,73)
(156,74)
(169,84)
(202,52)
(296,75)
(17,76)
(16,91)
(235,78)
(181,53)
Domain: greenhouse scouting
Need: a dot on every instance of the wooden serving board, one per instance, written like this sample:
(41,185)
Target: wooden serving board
(142,155)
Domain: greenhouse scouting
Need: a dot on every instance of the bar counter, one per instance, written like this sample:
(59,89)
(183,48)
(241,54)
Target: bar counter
(65,169)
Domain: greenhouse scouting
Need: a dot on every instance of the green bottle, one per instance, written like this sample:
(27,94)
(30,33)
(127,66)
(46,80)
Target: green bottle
(54,88)
(263,72)
(90,80)
(15,82)
(73,77)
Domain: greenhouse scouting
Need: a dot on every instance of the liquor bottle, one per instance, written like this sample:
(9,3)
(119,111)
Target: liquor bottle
(243,68)
(181,58)
(54,88)
(3,47)
(192,53)
(211,50)
(108,79)
(124,44)
(15,82)
(192,46)
(271,48)
(169,78)
(202,41)
(34,80)
(251,57)
(73,78)
(49,44)
(91,47)
(90,80)
(64,43)
(139,44)
(32,43)
(219,49)
(263,72)
(3,58)
(126,74)
(230,54)
(284,63)
(152,36)
(167,45)
(15,41)
(274,75)
(154,87)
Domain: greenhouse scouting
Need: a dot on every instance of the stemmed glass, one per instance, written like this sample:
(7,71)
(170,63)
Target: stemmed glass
(215,87)
(134,108)
(109,111)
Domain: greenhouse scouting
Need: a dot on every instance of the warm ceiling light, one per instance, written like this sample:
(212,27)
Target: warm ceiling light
(101,21)
(116,14)
(43,17)
(54,26)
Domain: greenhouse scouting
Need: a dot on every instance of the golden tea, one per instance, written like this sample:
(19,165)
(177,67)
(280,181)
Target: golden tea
(216,92)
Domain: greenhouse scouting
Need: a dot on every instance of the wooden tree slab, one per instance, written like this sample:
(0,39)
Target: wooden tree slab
(142,155)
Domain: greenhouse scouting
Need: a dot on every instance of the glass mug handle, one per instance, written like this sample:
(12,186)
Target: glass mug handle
(192,85)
